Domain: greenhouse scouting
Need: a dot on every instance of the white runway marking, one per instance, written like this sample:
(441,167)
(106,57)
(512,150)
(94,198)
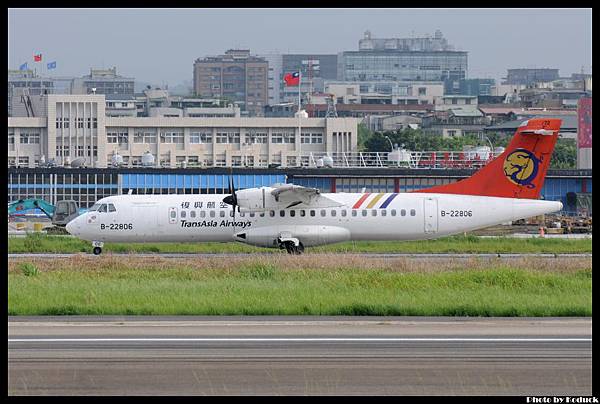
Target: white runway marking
(49,340)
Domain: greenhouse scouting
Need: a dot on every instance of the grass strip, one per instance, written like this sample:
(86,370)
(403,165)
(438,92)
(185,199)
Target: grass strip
(39,243)
(272,288)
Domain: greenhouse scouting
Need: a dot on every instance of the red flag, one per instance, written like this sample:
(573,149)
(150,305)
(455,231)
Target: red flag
(37,58)
(292,79)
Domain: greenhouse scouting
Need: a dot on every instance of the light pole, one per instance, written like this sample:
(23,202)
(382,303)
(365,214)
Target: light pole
(391,145)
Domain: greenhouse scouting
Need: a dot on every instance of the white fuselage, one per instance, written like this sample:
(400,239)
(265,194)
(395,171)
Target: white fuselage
(202,218)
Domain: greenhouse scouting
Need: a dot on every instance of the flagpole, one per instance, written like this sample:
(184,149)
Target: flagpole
(299,118)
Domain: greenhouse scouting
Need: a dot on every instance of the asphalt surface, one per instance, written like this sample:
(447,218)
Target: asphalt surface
(362,255)
(299,355)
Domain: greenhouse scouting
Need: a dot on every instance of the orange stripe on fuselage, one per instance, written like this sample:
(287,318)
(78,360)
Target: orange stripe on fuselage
(360,201)
(375,200)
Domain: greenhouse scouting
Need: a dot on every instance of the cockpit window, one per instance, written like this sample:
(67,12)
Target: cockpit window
(111,208)
(103,208)
(94,207)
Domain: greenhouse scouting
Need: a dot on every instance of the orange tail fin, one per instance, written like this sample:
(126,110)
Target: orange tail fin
(519,172)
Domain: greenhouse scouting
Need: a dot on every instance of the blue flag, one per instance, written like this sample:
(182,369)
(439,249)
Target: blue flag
(23,66)
(51,65)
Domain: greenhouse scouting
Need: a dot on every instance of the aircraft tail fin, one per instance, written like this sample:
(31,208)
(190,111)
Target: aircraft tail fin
(519,172)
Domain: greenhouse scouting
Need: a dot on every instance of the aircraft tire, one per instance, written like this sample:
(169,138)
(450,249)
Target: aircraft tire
(97,250)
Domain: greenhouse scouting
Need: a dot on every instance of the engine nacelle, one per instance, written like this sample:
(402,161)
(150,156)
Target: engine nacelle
(308,235)
(256,200)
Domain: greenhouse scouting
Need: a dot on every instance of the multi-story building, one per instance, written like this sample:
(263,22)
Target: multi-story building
(103,81)
(385,92)
(315,69)
(76,127)
(530,76)
(24,83)
(402,59)
(236,76)
(469,87)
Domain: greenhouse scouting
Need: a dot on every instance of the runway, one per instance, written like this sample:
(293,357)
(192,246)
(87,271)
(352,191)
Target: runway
(299,355)
(362,255)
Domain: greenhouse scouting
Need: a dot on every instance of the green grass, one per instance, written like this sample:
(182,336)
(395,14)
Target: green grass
(38,243)
(255,288)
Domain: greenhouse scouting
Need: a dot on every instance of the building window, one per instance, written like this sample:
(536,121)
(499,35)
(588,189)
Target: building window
(422,90)
(277,138)
(221,137)
(24,160)
(27,138)
(171,137)
(200,137)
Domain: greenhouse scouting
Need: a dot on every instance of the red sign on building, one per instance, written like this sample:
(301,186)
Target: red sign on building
(584,117)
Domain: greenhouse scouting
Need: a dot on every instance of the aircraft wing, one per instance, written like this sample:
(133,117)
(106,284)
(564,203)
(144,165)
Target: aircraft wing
(290,195)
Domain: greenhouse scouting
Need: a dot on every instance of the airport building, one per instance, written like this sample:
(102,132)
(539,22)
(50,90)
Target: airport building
(76,127)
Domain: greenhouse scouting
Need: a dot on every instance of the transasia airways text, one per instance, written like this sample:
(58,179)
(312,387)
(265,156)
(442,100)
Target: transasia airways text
(214,223)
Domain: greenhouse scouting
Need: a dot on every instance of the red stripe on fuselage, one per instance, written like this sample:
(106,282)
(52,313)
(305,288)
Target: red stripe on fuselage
(360,201)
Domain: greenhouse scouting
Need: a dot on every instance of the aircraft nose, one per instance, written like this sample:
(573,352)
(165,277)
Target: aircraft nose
(72,227)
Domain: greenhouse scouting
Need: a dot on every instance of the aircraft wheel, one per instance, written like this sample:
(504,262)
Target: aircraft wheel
(300,248)
(97,250)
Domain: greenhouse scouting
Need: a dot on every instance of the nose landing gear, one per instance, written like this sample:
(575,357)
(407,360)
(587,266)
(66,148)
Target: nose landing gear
(97,247)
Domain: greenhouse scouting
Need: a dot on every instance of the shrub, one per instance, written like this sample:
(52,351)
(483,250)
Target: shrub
(28,269)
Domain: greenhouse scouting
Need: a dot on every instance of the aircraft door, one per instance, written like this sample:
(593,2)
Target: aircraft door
(430,209)
(172,215)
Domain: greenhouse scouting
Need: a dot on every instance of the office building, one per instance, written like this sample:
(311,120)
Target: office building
(236,76)
(530,76)
(103,81)
(402,59)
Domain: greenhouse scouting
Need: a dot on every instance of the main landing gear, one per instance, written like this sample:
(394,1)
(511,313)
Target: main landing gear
(97,247)
(292,246)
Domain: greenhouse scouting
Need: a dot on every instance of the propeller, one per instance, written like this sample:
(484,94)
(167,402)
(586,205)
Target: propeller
(232,198)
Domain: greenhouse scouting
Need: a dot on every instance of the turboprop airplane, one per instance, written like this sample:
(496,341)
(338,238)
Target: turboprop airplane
(293,217)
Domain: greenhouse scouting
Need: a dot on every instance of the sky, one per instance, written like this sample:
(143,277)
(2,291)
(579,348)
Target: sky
(159,46)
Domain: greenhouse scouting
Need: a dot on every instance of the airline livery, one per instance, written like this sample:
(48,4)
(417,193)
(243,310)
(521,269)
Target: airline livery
(292,217)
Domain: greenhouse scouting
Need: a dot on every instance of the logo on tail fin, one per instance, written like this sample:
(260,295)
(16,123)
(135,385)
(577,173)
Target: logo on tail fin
(521,167)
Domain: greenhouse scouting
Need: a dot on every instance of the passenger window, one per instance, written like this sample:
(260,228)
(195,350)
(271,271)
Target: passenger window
(252,214)
(374,212)
(323,212)
(212,213)
(354,213)
(242,214)
(231,213)
(393,212)
(312,213)
(202,213)
(111,208)
(413,212)
(193,213)
(364,212)
(272,213)
(102,208)
(282,213)
(383,212)
(403,212)
(262,214)
(333,213)
(173,214)
(183,213)
(292,213)
(222,213)
(302,213)
(344,212)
